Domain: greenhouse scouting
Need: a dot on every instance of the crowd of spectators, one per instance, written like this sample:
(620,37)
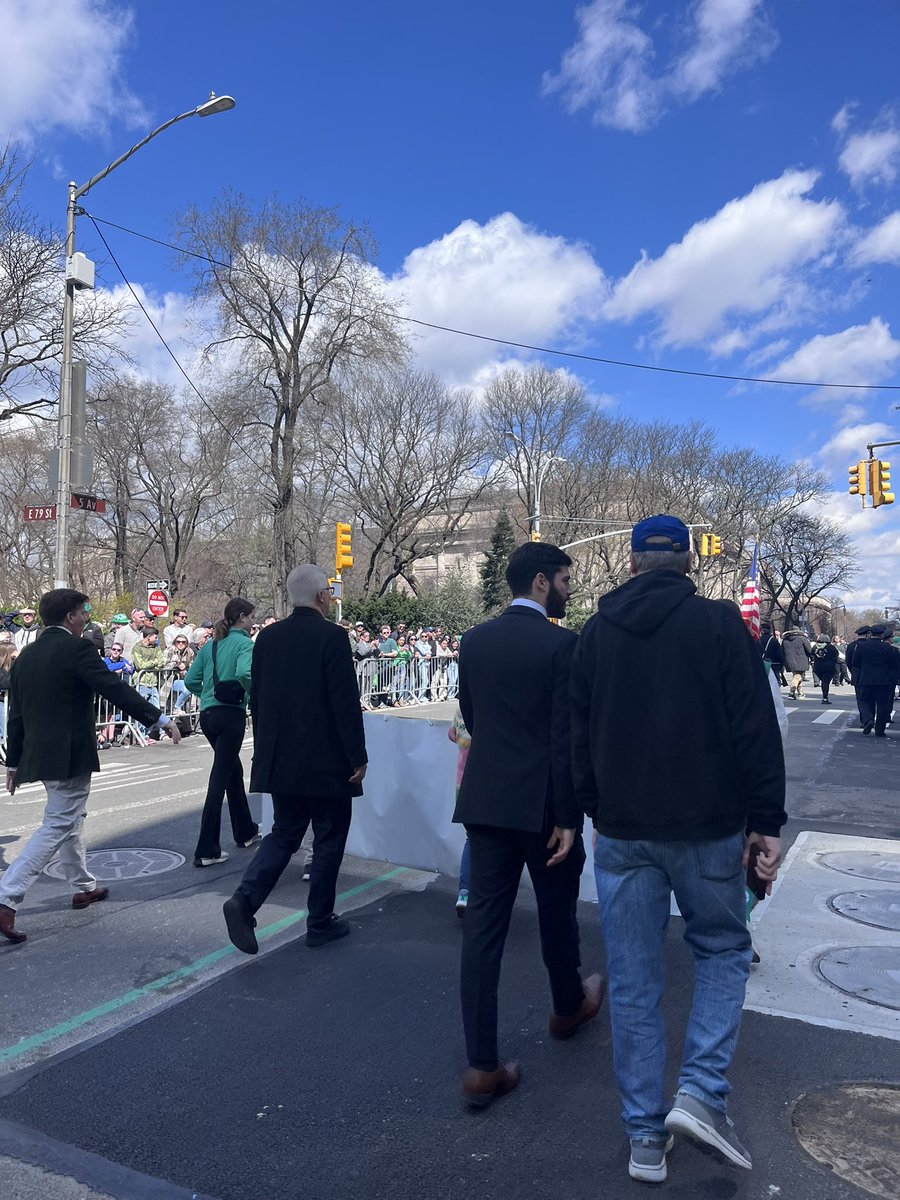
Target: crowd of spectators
(400,666)
(395,666)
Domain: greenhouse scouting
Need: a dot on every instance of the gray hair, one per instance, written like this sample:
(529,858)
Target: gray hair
(661,560)
(304,583)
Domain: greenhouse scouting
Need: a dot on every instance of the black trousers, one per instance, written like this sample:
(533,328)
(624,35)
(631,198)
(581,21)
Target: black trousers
(330,818)
(874,702)
(497,858)
(224,728)
(825,683)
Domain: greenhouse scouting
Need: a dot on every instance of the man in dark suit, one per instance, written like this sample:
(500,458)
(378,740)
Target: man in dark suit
(518,805)
(309,752)
(876,670)
(52,737)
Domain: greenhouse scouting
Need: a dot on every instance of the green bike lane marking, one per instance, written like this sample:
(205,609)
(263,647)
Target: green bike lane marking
(36,1040)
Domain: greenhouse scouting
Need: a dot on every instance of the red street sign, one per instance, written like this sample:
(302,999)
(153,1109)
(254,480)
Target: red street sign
(88,503)
(158,603)
(39,512)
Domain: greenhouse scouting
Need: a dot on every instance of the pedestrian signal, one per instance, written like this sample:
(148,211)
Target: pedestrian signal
(857,475)
(343,555)
(881,483)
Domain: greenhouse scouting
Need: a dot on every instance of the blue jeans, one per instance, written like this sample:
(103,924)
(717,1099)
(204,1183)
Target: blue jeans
(151,694)
(464,868)
(634,880)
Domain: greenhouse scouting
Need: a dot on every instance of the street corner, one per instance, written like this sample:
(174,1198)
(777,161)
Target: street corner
(829,936)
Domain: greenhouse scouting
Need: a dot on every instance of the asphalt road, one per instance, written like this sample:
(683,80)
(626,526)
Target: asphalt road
(141,1057)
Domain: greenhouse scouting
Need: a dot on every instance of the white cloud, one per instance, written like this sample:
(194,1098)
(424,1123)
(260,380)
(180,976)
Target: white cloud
(861,354)
(175,315)
(503,278)
(872,156)
(608,69)
(881,244)
(848,446)
(841,119)
(876,537)
(62,67)
(743,260)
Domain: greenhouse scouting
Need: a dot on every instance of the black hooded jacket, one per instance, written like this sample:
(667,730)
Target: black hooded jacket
(674,731)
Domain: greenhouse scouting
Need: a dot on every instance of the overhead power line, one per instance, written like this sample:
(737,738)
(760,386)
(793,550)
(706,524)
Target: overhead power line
(551,350)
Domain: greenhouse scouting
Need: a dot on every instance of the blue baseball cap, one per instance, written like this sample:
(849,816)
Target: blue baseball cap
(672,533)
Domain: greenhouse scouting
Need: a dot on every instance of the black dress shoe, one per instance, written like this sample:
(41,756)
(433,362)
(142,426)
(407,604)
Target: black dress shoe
(336,928)
(240,923)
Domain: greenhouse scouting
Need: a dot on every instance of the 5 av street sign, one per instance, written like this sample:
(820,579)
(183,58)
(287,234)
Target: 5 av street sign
(88,503)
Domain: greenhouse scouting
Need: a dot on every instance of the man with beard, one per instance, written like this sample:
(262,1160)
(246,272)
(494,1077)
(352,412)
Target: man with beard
(517,802)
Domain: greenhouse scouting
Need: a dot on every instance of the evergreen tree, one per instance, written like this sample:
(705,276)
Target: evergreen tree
(494,590)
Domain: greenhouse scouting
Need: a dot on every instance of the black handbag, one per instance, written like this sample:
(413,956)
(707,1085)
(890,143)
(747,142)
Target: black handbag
(226,691)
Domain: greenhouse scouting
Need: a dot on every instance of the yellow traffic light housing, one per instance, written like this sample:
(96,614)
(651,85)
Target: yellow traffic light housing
(704,545)
(880,482)
(715,544)
(857,484)
(535,536)
(343,555)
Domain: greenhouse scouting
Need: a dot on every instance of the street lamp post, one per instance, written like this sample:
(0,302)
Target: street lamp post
(215,104)
(539,477)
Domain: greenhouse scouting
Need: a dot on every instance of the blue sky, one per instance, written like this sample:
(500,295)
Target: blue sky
(711,185)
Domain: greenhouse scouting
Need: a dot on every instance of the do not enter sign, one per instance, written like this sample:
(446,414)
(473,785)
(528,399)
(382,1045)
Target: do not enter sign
(158,603)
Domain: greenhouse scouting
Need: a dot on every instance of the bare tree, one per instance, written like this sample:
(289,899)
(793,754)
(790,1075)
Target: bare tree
(295,297)
(412,458)
(534,416)
(31,302)
(802,557)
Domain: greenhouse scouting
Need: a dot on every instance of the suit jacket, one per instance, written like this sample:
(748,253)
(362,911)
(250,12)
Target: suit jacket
(875,663)
(308,734)
(514,697)
(52,733)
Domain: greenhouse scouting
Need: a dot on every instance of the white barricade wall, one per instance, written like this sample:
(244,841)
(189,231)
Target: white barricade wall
(405,815)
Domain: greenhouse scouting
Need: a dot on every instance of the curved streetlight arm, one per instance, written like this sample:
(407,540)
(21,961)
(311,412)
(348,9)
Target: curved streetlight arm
(213,105)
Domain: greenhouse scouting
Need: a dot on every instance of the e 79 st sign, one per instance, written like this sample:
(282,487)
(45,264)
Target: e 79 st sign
(39,512)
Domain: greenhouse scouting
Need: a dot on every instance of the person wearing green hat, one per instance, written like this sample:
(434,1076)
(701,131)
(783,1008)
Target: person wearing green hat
(115,632)
(92,631)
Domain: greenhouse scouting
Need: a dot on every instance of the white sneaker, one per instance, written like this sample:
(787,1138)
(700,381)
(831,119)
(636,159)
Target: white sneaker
(210,862)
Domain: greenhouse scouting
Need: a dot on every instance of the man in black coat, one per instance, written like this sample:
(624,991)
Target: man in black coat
(309,752)
(677,758)
(876,670)
(52,737)
(519,809)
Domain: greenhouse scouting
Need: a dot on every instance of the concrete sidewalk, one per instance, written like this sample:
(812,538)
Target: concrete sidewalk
(333,1074)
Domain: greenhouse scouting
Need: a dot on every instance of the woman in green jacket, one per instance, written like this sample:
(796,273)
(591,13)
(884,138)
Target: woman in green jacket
(223,720)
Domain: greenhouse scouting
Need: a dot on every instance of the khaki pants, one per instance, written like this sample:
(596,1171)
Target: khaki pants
(797,679)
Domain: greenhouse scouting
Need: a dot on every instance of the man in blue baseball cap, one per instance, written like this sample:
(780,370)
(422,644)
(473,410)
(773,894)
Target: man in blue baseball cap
(678,760)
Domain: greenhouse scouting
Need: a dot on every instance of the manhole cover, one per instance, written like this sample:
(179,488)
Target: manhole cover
(869,973)
(866,864)
(132,863)
(881,909)
(853,1130)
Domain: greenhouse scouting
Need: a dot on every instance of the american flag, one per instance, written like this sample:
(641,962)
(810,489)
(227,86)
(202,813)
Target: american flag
(750,598)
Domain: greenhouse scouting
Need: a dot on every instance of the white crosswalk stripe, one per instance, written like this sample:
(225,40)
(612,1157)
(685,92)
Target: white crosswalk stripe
(827,718)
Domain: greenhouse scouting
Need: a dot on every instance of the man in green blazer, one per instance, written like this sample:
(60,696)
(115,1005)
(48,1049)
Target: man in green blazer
(52,737)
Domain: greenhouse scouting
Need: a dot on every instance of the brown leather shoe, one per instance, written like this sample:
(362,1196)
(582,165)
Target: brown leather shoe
(483,1087)
(594,992)
(8,924)
(83,899)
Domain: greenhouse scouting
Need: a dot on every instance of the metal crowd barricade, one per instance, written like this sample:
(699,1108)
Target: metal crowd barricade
(162,688)
(387,681)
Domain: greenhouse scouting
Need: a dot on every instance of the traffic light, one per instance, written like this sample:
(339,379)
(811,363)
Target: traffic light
(704,545)
(880,483)
(343,555)
(715,544)
(857,486)
(535,536)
